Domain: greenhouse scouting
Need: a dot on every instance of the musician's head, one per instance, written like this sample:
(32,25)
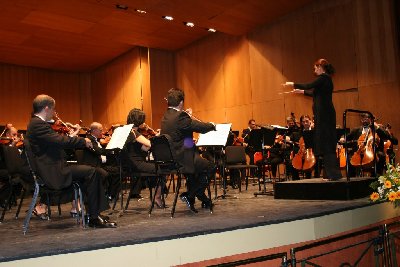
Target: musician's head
(323,66)
(305,121)
(11,132)
(96,129)
(290,122)
(365,119)
(136,117)
(175,98)
(44,106)
(252,124)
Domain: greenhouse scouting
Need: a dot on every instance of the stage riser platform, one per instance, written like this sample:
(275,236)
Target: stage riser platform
(318,189)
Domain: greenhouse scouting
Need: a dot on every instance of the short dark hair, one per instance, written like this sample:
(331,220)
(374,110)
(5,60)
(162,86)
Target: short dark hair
(42,101)
(136,117)
(175,96)
(251,120)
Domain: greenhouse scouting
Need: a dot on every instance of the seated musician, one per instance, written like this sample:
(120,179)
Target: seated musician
(291,138)
(248,148)
(365,129)
(180,126)
(104,161)
(136,151)
(305,125)
(47,147)
(388,145)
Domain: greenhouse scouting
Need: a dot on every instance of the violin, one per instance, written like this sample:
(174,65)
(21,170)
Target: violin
(304,159)
(146,131)
(64,127)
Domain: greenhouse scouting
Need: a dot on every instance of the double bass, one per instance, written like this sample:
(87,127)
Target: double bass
(304,159)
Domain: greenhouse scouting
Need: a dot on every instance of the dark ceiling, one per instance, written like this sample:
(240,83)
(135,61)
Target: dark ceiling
(81,35)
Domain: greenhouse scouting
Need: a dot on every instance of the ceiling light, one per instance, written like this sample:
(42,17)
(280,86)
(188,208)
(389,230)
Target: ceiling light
(167,17)
(211,30)
(140,11)
(123,7)
(189,24)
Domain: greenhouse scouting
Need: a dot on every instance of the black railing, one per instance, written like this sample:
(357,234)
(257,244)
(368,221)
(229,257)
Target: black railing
(382,245)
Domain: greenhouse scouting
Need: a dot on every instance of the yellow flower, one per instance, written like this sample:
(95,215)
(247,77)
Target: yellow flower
(398,195)
(392,196)
(374,196)
(388,184)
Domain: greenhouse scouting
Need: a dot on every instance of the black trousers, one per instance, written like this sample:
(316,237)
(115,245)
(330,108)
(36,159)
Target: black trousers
(198,182)
(92,186)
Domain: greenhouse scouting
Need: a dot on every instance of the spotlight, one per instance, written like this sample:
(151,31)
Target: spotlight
(167,17)
(211,30)
(189,24)
(123,7)
(140,11)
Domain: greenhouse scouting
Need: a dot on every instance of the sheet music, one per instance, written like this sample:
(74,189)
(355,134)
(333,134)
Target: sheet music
(119,137)
(217,137)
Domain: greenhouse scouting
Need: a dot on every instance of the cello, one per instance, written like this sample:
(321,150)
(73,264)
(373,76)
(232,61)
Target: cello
(365,152)
(304,159)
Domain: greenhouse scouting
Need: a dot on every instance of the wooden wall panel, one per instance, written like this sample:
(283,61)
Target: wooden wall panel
(162,78)
(19,85)
(118,87)
(376,42)
(266,64)
(201,68)
(334,40)
(237,83)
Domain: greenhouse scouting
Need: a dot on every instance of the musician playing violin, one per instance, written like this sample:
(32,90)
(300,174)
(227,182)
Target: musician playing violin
(136,152)
(15,139)
(380,137)
(103,160)
(48,149)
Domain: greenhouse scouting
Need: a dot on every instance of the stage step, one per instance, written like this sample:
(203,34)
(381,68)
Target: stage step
(318,189)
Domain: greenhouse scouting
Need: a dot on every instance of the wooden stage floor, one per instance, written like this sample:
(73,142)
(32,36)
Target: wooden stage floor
(237,211)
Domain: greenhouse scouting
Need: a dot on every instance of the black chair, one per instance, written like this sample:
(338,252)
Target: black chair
(40,187)
(235,159)
(14,165)
(165,165)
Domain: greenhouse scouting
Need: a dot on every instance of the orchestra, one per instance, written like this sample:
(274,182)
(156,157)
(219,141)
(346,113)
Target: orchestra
(293,147)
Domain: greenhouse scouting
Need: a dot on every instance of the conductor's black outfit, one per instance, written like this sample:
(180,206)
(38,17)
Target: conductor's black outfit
(325,123)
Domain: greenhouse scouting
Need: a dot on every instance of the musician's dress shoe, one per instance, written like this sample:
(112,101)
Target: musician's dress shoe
(100,222)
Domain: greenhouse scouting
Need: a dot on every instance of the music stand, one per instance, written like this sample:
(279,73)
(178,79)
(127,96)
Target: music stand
(264,137)
(216,140)
(116,144)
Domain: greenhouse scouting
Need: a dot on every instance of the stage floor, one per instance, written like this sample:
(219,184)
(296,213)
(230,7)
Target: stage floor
(237,211)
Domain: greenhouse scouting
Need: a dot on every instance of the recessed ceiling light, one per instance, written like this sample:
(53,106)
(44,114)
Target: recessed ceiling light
(211,30)
(120,6)
(189,24)
(167,17)
(140,11)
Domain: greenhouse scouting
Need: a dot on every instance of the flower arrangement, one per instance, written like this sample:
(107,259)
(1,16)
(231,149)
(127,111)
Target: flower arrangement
(387,187)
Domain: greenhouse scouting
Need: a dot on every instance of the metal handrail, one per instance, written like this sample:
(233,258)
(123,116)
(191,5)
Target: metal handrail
(282,255)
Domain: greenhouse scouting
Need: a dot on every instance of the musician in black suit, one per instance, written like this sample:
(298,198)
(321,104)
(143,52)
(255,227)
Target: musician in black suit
(365,129)
(180,126)
(104,161)
(48,148)
(246,137)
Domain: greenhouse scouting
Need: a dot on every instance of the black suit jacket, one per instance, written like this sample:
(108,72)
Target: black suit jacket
(48,147)
(180,127)
(92,157)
